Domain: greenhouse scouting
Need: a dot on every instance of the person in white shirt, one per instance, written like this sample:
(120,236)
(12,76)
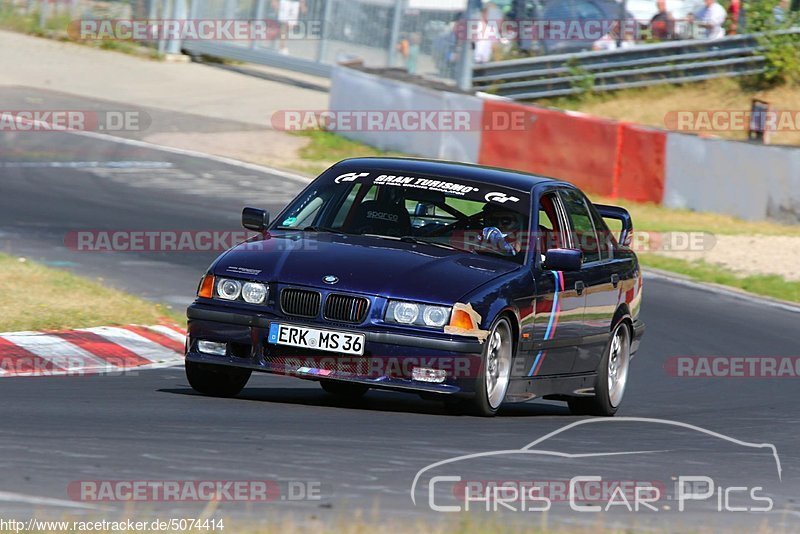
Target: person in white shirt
(710,20)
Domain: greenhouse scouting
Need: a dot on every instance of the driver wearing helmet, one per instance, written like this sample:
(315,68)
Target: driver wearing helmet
(509,222)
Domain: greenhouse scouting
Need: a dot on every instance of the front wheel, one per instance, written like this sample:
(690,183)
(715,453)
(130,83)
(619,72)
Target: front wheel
(493,378)
(612,377)
(216,380)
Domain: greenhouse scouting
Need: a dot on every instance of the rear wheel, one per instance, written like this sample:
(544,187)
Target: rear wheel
(216,380)
(493,378)
(344,390)
(612,377)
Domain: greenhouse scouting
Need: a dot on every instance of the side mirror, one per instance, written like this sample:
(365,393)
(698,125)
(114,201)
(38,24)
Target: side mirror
(563,259)
(255,219)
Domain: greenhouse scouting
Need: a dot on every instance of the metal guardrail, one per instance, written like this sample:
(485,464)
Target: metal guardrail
(639,66)
(257,56)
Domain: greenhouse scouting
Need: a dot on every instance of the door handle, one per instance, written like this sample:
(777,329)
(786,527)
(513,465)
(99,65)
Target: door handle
(615,280)
(579,287)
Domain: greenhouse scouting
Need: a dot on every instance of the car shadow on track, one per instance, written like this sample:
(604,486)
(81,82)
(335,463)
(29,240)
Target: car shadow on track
(375,400)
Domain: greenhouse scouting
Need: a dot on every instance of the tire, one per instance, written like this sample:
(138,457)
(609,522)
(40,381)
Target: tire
(216,380)
(494,376)
(612,377)
(346,391)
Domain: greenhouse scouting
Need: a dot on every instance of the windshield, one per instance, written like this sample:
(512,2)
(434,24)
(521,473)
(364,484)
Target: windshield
(470,216)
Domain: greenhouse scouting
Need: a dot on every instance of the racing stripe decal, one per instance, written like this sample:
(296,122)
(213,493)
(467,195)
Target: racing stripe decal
(552,324)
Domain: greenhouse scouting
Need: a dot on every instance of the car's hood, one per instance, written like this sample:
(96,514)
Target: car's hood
(362,264)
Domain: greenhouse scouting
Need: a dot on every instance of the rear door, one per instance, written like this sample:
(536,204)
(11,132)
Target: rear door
(599,275)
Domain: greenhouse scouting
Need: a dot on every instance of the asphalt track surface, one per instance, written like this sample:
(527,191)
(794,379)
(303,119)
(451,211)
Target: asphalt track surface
(151,426)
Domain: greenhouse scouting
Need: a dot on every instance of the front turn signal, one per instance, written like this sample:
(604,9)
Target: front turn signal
(461,319)
(206,289)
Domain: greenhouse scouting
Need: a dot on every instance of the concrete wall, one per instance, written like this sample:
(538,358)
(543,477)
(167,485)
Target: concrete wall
(745,180)
(355,90)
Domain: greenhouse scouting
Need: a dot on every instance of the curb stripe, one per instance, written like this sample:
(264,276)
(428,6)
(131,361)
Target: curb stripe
(136,343)
(15,359)
(170,332)
(89,351)
(156,337)
(111,353)
(59,352)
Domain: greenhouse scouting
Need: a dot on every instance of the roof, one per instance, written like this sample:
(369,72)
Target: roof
(521,181)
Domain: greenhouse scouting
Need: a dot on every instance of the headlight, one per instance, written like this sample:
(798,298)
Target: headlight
(228,289)
(435,315)
(254,293)
(417,314)
(405,312)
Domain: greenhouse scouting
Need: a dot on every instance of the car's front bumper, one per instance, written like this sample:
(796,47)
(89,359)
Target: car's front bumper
(387,362)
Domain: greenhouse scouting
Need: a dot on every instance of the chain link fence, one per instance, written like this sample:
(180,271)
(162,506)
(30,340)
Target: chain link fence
(417,35)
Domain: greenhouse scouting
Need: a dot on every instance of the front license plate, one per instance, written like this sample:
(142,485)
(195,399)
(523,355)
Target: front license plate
(312,338)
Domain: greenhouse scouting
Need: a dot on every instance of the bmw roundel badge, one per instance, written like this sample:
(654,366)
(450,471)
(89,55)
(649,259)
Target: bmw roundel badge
(330,279)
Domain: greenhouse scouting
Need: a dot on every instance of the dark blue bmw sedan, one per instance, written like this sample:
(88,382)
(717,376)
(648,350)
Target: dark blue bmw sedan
(471,285)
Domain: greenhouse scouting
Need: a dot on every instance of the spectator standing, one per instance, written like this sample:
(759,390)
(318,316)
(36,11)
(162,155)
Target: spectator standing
(484,43)
(779,11)
(710,20)
(662,25)
(734,12)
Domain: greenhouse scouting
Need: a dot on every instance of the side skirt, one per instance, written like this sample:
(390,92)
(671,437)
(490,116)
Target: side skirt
(560,387)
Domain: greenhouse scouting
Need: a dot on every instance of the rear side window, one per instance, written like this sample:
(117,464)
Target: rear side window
(583,231)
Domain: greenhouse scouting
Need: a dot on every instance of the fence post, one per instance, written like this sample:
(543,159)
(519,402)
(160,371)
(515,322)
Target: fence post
(166,7)
(259,17)
(464,72)
(322,49)
(43,9)
(391,57)
(178,13)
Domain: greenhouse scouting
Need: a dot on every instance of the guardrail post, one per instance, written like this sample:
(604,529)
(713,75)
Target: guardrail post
(391,57)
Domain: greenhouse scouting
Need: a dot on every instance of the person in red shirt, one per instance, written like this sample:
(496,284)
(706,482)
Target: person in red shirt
(734,10)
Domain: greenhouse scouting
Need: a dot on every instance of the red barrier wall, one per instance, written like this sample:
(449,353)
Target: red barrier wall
(641,164)
(600,156)
(581,150)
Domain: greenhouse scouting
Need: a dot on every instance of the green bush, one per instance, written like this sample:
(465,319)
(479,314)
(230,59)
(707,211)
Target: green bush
(781,49)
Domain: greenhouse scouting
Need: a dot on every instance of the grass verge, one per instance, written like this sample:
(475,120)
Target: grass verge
(326,148)
(651,105)
(766,285)
(654,218)
(55,27)
(36,297)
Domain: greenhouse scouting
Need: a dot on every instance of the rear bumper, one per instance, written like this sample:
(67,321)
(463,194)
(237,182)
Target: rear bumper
(387,363)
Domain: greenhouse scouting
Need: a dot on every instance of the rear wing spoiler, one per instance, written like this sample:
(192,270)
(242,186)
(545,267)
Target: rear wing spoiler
(620,214)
